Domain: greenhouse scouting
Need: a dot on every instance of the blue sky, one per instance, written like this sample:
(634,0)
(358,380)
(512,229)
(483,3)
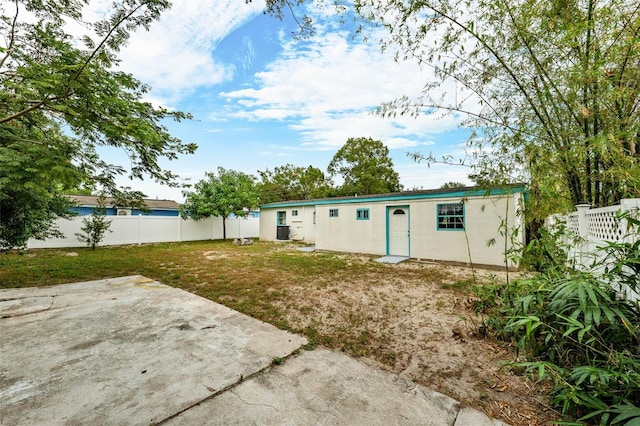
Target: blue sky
(261,99)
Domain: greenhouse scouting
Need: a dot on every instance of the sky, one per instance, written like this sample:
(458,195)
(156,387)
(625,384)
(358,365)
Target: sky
(262,98)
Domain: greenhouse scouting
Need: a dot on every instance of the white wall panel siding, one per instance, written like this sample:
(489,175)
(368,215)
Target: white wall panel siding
(302,227)
(346,233)
(268,225)
(484,219)
(161,230)
(152,229)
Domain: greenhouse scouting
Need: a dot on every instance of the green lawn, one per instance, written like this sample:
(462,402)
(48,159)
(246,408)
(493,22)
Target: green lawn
(245,278)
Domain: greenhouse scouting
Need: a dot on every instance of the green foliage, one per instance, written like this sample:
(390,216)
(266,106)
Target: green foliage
(452,185)
(228,192)
(578,333)
(289,182)
(556,82)
(29,212)
(545,252)
(365,167)
(95,225)
(60,99)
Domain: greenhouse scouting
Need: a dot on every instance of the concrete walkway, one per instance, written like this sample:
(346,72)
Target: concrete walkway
(133,351)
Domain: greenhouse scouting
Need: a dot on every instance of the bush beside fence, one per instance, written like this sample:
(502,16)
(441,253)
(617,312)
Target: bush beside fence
(153,229)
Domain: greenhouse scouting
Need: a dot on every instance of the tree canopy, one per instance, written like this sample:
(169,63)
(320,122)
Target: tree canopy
(452,185)
(291,182)
(228,192)
(557,84)
(365,167)
(60,98)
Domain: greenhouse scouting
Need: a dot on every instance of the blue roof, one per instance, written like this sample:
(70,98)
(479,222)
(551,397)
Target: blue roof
(470,191)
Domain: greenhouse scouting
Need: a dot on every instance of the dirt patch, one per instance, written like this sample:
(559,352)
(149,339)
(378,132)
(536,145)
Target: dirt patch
(405,319)
(213,255)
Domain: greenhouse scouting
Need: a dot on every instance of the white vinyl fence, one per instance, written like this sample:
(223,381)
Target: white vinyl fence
(153,229)
(589,229)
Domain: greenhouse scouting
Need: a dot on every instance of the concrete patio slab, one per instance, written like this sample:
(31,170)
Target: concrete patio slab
(132,351)
(122,351)
(323,387)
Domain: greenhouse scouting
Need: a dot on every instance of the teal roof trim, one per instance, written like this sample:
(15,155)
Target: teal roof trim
(401,196)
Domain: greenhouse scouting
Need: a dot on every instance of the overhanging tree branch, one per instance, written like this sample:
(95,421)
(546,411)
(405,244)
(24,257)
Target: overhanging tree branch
(67,90)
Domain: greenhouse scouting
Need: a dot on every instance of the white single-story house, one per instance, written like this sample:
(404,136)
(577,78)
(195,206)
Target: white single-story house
(443,225)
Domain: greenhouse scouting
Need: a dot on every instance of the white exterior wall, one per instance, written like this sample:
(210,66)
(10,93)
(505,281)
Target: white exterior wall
(268,224)
(484,216)
(302,226)
(346,233)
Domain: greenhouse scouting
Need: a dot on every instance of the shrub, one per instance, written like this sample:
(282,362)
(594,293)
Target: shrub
(577,332)
(96,225)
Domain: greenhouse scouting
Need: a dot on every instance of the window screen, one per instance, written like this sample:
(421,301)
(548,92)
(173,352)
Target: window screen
(450,216)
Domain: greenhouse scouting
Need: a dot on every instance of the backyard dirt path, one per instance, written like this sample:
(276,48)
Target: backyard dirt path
(416,319)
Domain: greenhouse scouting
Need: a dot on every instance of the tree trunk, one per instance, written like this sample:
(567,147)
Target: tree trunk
(224,228)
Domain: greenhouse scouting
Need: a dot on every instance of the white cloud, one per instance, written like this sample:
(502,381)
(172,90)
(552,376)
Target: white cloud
(331,86)
(175,56)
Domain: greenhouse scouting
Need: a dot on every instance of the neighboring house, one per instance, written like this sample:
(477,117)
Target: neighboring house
(444,224)
(86,204)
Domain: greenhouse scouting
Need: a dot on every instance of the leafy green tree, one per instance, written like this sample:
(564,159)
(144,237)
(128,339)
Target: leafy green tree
(289,182)
(96,225)
(60,99)
(365,167)
(228,192)
(557,83)
(452,185)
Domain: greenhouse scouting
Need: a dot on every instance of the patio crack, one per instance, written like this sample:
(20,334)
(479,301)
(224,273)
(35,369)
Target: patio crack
(228,388)
(254,404)
(305,406)
(9,315)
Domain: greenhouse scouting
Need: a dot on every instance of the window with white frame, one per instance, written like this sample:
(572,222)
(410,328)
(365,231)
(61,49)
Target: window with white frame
(450,217)
(362,214)
(333,212)
(123,212)
(294,212)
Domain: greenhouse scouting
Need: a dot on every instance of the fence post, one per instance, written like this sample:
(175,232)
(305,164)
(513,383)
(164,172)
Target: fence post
(583,248)
(583,225)
(627,205)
